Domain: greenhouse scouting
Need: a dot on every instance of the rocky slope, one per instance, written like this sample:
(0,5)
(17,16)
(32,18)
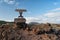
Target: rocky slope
(35,32)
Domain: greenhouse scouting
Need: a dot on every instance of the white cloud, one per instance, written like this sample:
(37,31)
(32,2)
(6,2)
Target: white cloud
(57,9)
(9,1)
(32,19)
(53,17)
(52,14)
(8,20)
(50,17)
(3,19)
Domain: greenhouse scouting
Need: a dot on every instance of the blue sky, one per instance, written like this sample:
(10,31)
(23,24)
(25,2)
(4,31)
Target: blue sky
(37,10)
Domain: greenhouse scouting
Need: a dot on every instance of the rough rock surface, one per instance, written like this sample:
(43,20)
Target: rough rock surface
(38,32)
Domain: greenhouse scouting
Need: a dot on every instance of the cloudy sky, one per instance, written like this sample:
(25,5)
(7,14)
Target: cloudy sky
(41,11)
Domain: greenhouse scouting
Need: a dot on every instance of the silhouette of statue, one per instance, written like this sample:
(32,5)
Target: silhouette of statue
(20,21)
(20,11)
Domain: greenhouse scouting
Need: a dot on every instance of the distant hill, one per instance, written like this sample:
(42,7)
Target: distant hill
(4,22)
(33,23)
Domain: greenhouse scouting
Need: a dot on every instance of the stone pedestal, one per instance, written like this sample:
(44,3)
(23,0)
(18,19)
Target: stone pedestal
(20,22)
